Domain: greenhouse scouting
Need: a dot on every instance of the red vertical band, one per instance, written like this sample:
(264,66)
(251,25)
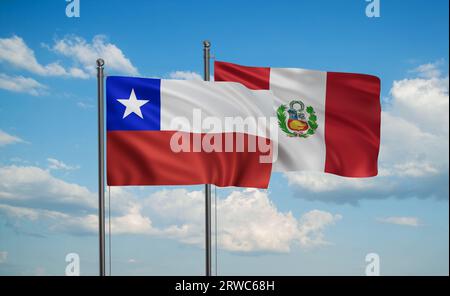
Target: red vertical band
(251,77)
(352,124)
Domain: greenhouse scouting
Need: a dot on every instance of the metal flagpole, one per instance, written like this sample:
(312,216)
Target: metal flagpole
(101,167)
(206,68)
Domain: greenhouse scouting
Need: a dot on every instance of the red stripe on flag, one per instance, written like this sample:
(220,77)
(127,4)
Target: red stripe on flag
(251,77)
(145,158)
(352,124)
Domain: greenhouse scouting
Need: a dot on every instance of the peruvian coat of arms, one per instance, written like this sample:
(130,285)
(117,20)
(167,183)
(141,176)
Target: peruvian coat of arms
(297,121)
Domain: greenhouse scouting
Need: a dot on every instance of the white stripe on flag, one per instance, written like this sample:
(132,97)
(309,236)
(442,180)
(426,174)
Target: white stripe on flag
(296,154)
(215,99)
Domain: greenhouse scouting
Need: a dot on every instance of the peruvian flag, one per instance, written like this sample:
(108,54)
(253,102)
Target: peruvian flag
(175,132)
(328,121)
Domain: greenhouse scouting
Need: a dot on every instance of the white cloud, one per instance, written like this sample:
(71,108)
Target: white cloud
(429,70)
(29,185)
(78,73)
(404,142)
(15,52)
(85,54)
(414,144)
(185,75)
(22,85)
(3,256)
(320,182)
(19,212)
(55,220)
(312,225)
(87,224)
(415,169)
(30,213)
(423,102)
(415,126)
(7,139)
(132,222)
(54,164)
(248,220)
(267,229)
(405,221)
(251,222)
(178,205)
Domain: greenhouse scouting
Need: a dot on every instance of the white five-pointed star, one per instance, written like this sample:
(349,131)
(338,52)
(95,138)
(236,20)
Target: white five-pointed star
(133,105)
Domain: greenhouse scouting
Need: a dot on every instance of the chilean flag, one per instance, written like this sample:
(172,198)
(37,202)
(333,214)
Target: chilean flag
(329,122)
(172,132)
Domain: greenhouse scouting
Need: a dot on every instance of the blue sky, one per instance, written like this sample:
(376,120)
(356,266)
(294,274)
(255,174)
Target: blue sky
(48,138)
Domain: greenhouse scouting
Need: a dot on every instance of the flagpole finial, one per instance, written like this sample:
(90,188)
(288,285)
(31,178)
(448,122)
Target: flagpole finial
(206,43)
(100,63)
